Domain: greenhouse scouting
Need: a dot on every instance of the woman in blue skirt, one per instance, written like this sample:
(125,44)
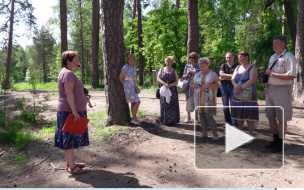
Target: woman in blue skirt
(72,100)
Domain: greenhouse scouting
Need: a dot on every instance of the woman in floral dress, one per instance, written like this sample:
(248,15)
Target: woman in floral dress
(128,79)
(190,70)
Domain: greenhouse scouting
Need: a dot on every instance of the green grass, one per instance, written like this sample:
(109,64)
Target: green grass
(105,133)
(99,115)
(47,132)
(18,160)
(27,86)
(19,139)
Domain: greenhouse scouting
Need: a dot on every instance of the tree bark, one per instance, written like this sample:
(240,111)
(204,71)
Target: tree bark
(81,40)
(177,4)
(291,22)
(113,59)
(10,48)
(95,43)
(63,25)
(140,45)
(299,53)
(193,29)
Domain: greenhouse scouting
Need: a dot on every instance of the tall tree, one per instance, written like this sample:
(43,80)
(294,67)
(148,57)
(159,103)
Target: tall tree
(291,22)
(299,84)
(140,44)
(95,43)
(133,17)
(193,29)
(43,55)
(22,11)
(63,25)
(113,59)
(10,48)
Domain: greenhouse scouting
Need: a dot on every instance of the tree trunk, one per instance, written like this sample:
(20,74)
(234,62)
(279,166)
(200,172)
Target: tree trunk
(63,25)
(95,43)
(10,48)
(283,20)
(81,41)
(177,4)
(299,53)
(140,45)
(291,22)
(133,17)
(113,59)
(193,29)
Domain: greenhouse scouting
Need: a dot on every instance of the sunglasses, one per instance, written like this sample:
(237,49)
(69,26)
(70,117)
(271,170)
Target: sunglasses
(191,57)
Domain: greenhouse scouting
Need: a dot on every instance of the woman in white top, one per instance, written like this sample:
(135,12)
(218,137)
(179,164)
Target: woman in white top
(205,84)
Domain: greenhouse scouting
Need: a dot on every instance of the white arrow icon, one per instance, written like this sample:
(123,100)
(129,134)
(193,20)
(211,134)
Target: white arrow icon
(235,138)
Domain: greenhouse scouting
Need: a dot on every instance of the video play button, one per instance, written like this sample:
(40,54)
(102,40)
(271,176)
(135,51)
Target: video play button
(235,138)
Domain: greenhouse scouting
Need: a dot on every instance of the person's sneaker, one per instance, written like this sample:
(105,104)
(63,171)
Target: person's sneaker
(203,136)
(197,121)
(272,144)
(135,122)
(188,120)
(215,138)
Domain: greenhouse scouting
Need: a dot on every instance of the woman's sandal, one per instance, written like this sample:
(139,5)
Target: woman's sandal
(80,165)
(79,171)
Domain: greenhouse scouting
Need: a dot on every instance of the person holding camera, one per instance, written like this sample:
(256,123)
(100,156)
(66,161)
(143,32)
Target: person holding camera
(278,91)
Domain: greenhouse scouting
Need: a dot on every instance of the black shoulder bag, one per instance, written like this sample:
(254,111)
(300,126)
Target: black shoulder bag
(264,78)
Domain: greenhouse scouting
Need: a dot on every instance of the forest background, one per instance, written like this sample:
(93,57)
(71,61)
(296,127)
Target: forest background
(167,27)
(223,26)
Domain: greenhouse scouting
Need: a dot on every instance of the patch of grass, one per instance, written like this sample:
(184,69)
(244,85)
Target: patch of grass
(105,133)
(19,139)
(99,115)
(141,113)
(28,86)
(47,132)
(18,160)
(152,89)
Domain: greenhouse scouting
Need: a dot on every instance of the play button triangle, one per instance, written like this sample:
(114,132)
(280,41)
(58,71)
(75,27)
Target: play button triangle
(235,138)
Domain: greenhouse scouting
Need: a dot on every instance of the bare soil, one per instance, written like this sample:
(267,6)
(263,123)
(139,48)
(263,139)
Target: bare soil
(155,155)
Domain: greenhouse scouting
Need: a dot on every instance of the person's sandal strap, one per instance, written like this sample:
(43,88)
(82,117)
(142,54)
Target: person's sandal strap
(79,171)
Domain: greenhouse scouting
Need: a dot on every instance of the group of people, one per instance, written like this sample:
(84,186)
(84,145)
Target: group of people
(202,86)
(203,83)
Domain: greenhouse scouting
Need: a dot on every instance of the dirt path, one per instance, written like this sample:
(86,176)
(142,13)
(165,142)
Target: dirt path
(153,155)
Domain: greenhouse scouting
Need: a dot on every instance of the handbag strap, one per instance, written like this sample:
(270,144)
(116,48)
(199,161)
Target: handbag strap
(245,71)
(277,60)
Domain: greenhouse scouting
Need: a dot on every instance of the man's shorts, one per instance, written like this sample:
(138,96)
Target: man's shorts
(279,95)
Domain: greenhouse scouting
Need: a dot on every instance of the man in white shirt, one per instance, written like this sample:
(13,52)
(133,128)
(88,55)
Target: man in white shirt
(279,91)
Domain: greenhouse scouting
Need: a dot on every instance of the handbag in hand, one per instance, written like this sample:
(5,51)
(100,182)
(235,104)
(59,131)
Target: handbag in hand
(190,105)
(245,95)
(137,90)
(182,84)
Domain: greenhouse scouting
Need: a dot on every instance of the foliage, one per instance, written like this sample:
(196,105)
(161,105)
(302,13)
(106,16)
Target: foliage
(18,120)
(43,55)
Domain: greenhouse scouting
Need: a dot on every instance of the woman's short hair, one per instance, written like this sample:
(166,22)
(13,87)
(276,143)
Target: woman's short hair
(204,60)
(67,55)
(193,54)
(244,53)
(129,57)
(169,57)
